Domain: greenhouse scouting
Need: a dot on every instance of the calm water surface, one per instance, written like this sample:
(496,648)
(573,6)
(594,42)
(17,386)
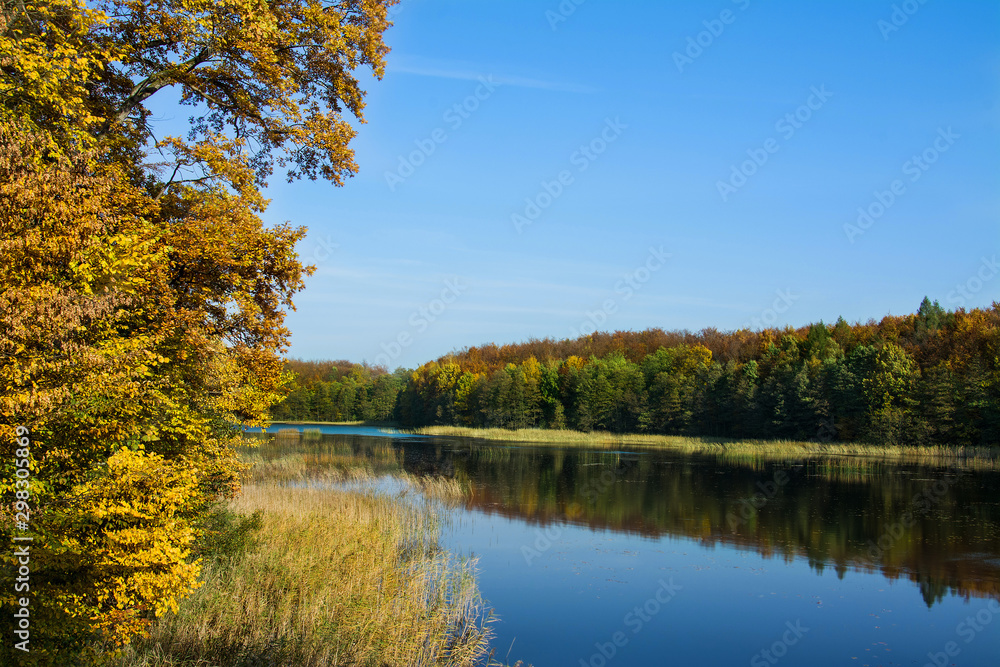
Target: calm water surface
(598,558)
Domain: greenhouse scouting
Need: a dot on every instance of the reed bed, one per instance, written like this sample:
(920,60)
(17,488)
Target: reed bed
(329,577)
(447,490)
(974,458)
(291,456)
(351,423)
(288,458)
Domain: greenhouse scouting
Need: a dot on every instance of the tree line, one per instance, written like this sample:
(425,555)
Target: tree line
(339,391)
(932,377)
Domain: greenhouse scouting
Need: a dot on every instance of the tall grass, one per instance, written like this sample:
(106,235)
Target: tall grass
(321,576)
(445,489)
(294,456)
(977,458)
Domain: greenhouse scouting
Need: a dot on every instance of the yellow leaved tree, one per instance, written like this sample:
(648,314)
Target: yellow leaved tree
(141,294)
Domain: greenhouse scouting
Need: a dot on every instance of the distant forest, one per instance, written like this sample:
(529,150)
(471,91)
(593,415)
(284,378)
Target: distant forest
(928,378)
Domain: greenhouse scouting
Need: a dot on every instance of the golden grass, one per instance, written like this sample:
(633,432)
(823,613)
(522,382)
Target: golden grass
(445,489)
(294,456)
(333,577)
(354,423)
(979,458)
(292,421)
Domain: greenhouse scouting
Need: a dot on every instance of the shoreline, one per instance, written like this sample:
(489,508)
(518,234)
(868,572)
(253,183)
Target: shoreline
(987,458)
(979,458)
(381,560)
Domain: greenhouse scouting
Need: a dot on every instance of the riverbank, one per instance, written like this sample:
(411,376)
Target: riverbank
(976,458)
(374,424)
(315,575)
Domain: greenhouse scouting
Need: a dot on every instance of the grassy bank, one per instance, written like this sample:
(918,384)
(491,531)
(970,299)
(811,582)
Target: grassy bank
(316,575)
(375,424)
(980,458)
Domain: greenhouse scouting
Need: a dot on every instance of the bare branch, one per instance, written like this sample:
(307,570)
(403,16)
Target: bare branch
(151,84)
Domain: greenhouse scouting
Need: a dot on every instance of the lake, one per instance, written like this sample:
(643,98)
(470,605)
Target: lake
(605,558)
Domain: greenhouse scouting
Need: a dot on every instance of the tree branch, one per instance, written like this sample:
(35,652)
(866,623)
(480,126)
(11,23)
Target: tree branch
(151,84)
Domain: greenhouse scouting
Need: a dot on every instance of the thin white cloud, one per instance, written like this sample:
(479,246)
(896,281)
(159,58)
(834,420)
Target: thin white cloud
(499,308)
(467,72)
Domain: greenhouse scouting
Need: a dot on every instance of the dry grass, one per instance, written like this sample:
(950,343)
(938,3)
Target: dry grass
(294,456)
(333,577)
(292,421)
(977,458)
(445,489)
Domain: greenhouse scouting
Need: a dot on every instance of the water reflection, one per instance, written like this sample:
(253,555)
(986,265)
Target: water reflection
(937,527)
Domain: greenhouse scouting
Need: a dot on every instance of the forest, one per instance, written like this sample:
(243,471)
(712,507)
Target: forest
(928,378)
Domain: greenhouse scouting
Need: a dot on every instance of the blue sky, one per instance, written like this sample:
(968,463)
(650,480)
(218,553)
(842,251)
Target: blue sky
(674,164)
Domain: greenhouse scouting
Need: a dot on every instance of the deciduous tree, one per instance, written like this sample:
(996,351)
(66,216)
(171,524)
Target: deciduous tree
(141,294)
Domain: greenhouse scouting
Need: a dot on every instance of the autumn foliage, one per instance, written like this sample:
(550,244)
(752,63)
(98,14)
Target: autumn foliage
(141,293)
(930,378)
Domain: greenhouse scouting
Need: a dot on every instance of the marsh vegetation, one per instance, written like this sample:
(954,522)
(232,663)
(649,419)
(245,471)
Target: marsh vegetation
(308,567)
